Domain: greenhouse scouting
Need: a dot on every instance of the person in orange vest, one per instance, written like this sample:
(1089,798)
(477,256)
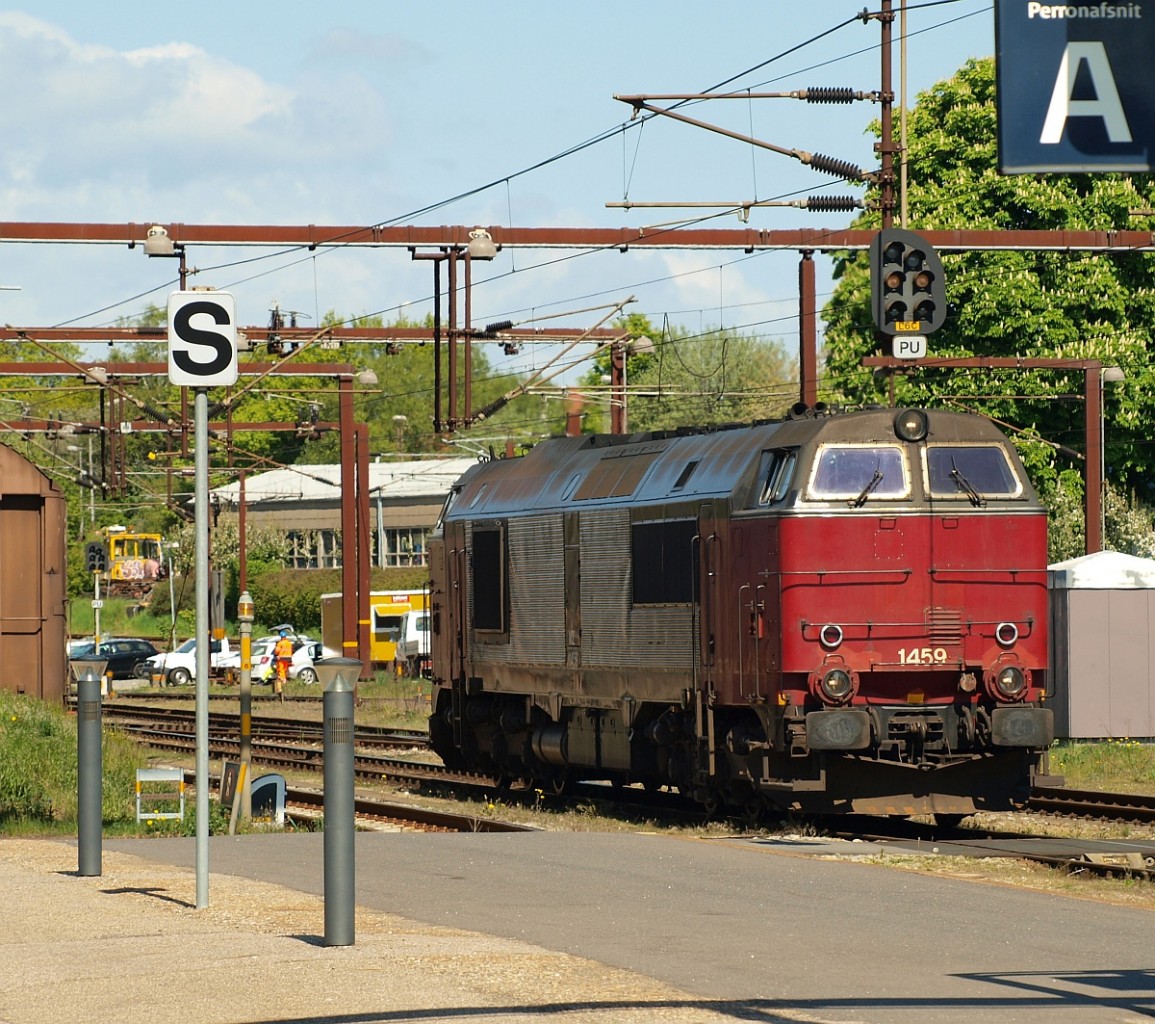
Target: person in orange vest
(283,654)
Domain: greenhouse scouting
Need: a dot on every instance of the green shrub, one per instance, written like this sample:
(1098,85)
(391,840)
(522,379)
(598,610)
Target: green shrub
(294,595)
(38,774)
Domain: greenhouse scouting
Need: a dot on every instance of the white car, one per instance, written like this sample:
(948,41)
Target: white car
(179,667)
(305,652)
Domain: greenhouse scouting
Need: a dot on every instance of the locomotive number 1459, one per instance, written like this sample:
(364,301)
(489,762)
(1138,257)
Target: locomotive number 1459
(922,656)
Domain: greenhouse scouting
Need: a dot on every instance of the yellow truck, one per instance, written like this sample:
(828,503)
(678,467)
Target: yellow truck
(390,620)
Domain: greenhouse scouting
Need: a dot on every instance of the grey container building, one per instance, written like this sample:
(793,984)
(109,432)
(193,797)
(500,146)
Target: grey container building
(1103,646)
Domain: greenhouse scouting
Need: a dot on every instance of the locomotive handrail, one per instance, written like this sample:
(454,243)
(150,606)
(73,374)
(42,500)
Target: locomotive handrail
(870,625)
(1010,570)
(841,572)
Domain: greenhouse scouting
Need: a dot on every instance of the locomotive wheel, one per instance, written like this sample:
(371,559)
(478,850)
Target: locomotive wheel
(949,820)
(754,811)
(553,783)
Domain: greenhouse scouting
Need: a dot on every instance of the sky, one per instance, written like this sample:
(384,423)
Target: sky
(360,113)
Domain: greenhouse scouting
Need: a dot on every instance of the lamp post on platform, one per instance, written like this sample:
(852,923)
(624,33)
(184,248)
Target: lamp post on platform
(245,619)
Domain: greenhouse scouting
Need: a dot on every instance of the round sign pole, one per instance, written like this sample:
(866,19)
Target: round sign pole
(202,353)
(201,471)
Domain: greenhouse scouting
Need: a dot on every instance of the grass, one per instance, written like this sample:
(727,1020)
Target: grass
(38,771)
(38,783)
(1115,766)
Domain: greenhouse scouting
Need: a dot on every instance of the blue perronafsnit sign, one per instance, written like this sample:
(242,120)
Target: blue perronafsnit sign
(1076,89)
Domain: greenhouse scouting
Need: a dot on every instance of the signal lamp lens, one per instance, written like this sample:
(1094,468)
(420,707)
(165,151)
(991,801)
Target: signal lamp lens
(1006,633)
(893,252)
(830,636)
(924,311)
(923,279)
(911,425)
(1010,682)
(836,685)
(893,281)
(895,311)
(915,259)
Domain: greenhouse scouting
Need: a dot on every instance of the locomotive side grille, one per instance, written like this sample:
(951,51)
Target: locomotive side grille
(944,626)
(536,593)
(615,634)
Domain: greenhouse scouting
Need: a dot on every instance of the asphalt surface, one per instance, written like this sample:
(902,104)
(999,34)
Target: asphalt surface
(746,923)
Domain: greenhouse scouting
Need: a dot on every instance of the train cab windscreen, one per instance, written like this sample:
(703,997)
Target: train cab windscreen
(857,472)
(962,471)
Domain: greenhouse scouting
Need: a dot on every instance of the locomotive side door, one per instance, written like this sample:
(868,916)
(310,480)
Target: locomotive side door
(710,617)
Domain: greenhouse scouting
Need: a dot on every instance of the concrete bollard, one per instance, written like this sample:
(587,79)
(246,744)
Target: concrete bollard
(340,675)
(90,780)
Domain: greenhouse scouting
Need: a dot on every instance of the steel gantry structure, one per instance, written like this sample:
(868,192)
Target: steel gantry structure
(455,239)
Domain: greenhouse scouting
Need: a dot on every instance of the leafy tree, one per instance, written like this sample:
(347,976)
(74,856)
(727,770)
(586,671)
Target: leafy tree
(684,378)
(1003,303)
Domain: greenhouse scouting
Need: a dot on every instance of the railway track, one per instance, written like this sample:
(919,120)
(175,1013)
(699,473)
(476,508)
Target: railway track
(273,735)
(1074,803)
(180,721)
(297,745)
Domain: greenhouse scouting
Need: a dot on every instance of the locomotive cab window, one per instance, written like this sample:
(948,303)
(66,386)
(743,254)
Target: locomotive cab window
(664,562)
(859,473)
(490,609)
(776,474)
(963,471)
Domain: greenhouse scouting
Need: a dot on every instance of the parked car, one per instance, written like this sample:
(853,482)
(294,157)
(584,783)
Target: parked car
(305,652)
(179,667)
(127,656)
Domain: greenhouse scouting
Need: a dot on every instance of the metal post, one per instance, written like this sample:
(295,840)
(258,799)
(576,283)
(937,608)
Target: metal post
(340,887)
(349,582)
(96,612)
(1093,499)
(171,601)
(245,619)
(89,783)
(201,505)
(807,332)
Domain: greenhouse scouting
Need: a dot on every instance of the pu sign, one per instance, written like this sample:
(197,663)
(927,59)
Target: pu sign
(1075,91)
(202,339)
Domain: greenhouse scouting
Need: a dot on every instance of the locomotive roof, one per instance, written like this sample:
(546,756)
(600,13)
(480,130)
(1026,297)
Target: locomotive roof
(603,471)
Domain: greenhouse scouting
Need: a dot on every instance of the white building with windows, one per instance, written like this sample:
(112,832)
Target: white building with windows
(304,503)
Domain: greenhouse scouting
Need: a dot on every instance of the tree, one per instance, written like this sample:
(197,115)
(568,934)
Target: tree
(685,378)
(1053,304)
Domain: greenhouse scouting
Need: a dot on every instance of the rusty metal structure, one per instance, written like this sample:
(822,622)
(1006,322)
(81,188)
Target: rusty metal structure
(354,454)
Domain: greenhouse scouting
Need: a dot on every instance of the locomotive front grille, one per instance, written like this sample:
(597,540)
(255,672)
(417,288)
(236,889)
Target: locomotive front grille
(944,626)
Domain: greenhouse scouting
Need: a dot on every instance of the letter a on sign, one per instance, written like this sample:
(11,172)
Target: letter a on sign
(1106,107)
(202,339)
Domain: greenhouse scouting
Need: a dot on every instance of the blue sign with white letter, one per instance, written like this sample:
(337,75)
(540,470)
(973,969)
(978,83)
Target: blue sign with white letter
(1075,87)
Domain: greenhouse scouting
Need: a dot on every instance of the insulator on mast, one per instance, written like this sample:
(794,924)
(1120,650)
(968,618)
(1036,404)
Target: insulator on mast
(830,94)
(831,204)
(832,165)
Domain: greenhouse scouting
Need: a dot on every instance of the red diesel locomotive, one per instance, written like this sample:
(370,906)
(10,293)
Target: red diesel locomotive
(832,613)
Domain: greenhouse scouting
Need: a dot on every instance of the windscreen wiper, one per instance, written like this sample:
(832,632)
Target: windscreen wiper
(870,486)
(963,484)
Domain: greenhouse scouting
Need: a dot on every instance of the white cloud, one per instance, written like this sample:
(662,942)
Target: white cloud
(100,133)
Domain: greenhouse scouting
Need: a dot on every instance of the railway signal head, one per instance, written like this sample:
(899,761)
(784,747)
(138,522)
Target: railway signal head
(907,289)
(95,556)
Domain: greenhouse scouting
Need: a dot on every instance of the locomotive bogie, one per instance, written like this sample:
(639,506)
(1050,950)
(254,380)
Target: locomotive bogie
(833,613)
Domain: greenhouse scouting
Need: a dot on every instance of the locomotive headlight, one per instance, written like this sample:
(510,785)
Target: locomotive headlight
(911,425)
(836,685)
(1010,681)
